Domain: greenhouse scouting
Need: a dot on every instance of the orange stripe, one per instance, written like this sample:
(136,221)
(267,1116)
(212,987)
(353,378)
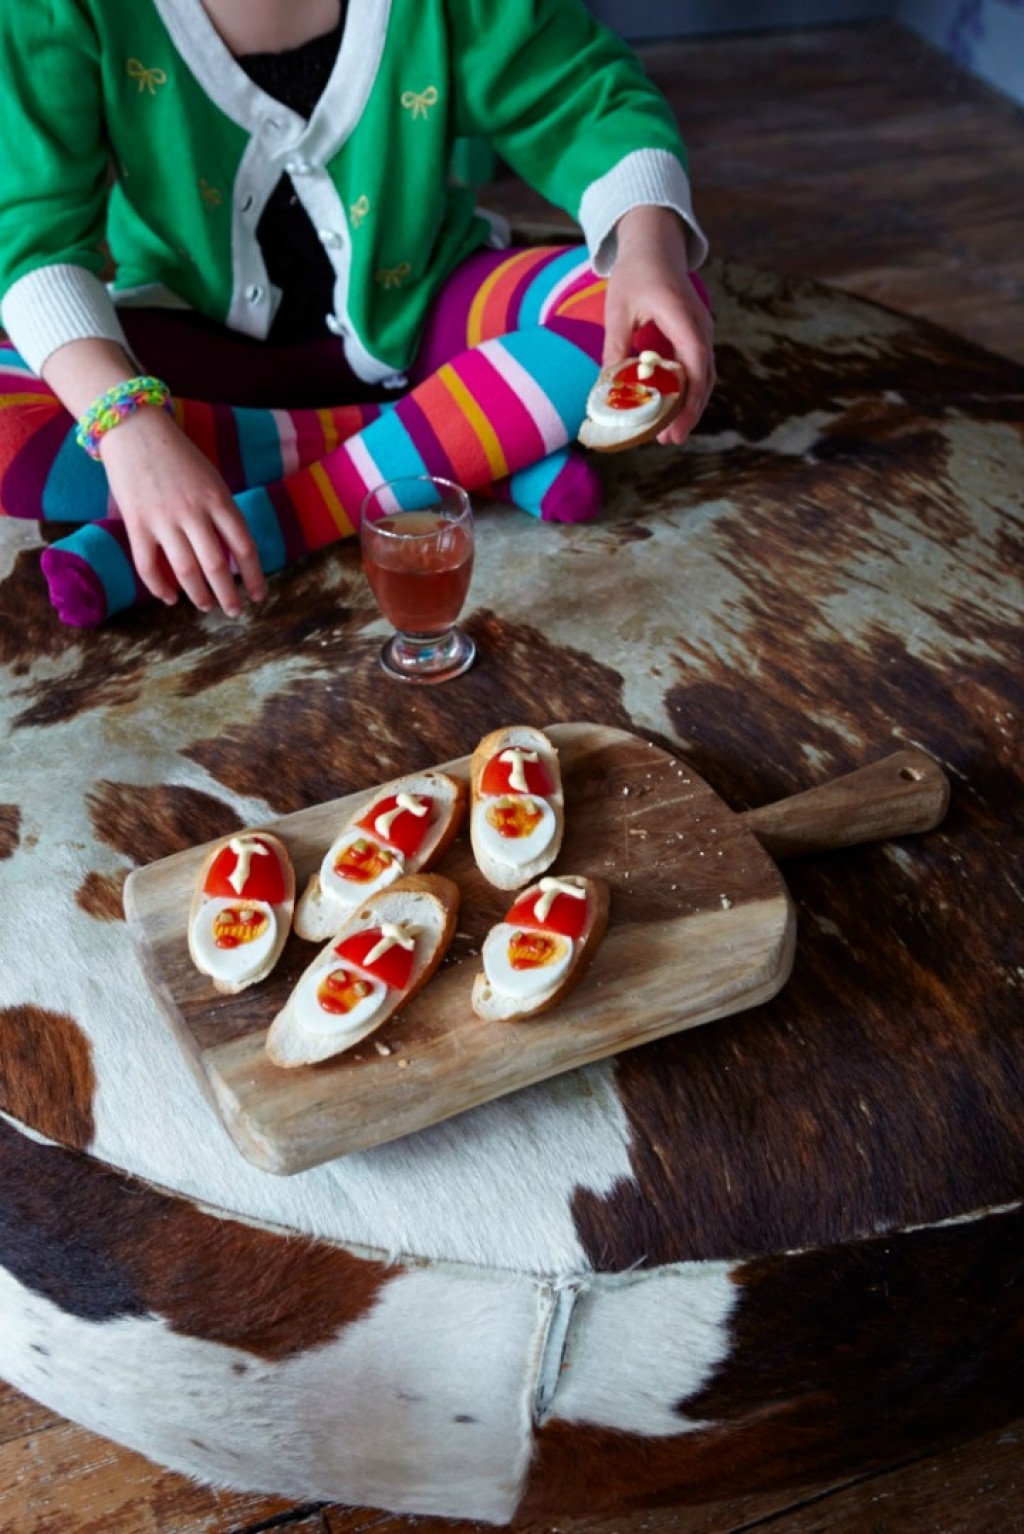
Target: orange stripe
(328,428)
(500,284)
(196,420)
(595,291)
(481,426)
(318,526)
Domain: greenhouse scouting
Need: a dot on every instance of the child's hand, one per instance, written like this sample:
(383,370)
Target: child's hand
(181,521)
(650,284)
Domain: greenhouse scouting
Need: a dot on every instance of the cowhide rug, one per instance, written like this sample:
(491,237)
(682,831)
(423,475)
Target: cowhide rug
(780,1247)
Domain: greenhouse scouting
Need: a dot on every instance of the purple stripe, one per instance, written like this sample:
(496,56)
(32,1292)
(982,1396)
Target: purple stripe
(292,535)
(584,334)
(526,283)
(229,456)
(25,479)
(425,439)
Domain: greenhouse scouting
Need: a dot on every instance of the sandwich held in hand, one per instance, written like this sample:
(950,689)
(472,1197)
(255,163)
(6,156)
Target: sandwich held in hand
(382,955)
(406,827)
(540,951)
(632,401)
(517,815)
(241,912)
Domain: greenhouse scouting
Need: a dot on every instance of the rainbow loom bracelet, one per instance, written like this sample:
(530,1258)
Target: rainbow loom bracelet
(115,406)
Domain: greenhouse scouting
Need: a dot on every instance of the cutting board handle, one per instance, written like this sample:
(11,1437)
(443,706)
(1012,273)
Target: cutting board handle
(897,796)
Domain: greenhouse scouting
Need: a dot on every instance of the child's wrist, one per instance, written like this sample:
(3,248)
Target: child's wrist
(117,405)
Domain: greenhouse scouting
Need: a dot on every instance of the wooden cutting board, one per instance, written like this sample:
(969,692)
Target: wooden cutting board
(701,926)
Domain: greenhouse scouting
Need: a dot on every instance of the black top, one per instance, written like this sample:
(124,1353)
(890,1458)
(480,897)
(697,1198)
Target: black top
(296,260)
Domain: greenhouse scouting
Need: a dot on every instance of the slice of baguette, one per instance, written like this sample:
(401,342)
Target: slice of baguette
(282,913)
(615,435)
(428,902)
(320,913)
(506,876)
(496,1006)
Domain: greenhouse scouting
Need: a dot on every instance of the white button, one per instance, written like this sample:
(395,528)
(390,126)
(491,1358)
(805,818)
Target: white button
(300,167)
(329,237)
(335,326)
(254,293)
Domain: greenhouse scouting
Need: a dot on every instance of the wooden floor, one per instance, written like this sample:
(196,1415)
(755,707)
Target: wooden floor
(858,156)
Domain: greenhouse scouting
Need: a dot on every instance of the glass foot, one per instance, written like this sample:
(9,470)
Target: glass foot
(428,660)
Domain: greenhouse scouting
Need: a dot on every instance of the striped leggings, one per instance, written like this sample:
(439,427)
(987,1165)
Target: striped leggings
(497,394)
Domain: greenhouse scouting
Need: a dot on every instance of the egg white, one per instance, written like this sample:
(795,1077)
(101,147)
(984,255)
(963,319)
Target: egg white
(231,964)
(515,850)
(523,984)
(599,410)
(350,891)
(310,1015)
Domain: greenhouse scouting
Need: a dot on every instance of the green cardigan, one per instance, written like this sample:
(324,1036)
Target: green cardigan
(148,88)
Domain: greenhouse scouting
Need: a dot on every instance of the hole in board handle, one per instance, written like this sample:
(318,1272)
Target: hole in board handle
(911,774)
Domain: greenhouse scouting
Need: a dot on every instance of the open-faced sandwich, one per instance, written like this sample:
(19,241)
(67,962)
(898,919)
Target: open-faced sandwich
(241,911)
(632,401)
(517,810)
(384,953)
(403,830)
(540,951)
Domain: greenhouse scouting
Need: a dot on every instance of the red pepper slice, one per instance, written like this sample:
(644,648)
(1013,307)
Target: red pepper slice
(665,380)
(394,965)
(567,914)
(407,830)
(496,774)
(265,880)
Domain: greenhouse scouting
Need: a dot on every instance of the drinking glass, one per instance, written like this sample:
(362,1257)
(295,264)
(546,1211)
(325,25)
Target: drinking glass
(417,543)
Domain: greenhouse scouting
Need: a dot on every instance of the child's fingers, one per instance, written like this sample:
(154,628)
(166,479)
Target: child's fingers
(185,561)
(243,550)
(152,566)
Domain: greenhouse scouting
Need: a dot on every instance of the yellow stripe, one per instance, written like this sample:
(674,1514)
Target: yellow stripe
(476,418)
(334,506)
(7,400)
(328,428)
(475,322)
(577,298)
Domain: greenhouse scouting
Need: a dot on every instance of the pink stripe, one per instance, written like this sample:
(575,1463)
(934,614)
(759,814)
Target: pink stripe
(508,416)
(560,289)
(285,424)
(543,414)
(365,468)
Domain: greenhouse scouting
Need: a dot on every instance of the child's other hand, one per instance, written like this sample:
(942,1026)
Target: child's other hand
(181,521)
(650,284)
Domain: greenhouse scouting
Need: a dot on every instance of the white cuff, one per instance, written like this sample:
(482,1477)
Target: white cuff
(647,177)
(53,305)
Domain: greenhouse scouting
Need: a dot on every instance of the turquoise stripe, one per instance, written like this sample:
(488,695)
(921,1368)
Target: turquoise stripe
(565,373)
(261,518)
(547,278)
(259,446)
(76,486)
(529,486)
(105,555)
(391,447)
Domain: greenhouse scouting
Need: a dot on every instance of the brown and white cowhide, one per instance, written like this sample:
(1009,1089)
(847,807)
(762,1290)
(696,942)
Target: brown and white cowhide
(781,1247)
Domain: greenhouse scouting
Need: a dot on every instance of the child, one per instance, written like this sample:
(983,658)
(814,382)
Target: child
(304,304)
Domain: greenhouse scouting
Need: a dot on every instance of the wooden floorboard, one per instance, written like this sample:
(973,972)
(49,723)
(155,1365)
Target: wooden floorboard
(861,157)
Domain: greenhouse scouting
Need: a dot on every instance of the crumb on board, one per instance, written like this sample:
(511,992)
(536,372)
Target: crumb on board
(726,902)
(402,1064)
(381,1048)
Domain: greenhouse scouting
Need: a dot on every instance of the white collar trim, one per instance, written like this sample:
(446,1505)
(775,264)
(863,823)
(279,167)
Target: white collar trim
(226,83)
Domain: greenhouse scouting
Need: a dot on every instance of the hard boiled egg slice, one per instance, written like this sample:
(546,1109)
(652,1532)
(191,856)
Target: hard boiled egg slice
(635,405)
(356,865)
(514,828)
(233,938)
(524,962)
(337,998)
